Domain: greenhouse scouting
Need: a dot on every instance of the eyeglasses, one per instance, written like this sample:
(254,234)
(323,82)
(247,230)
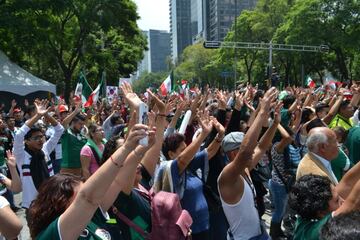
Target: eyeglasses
(37,138)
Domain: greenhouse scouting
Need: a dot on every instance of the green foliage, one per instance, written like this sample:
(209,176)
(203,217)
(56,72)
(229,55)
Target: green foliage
(196,65)
(55,38)
(149,80)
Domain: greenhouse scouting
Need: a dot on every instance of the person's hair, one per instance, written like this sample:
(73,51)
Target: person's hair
(305,115)
(34,129)
(171,143)
(344,104)
(320,106)
(314,139)
(109,148)
(78,117)
(92,129)
(54,197)
(342,227)
(341,132)
(310,195)
(317,122)
(288,100)
(114,119)
(29,109)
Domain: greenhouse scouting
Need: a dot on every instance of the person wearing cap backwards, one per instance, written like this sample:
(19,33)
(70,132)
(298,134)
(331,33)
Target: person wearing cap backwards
(235,187)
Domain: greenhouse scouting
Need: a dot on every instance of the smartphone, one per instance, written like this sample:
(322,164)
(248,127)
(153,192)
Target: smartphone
(143,119)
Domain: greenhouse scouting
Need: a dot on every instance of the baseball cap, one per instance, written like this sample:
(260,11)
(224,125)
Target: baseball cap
(17,110)
(63,108)
(232,141)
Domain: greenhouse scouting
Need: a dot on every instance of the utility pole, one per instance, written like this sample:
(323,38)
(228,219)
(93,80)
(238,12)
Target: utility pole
(235,49)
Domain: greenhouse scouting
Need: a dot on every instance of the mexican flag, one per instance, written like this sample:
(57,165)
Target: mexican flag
(310,83)
(83,89)
(166,86)
(94,96)
(184,88)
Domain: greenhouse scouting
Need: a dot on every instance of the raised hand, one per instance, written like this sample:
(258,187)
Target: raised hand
(11,161)
(41,107)
(140,149)
(160,104)
(266,101)
(137,132)
(221,100)
(277,115)
(13,103)
(132,98)
(205,122)
(239,101)
(218,126)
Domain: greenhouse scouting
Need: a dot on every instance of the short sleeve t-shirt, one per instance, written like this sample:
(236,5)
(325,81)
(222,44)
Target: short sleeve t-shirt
(94,230)
(71,147)
(193,200)
(87,152)
(137,209)
(309,229)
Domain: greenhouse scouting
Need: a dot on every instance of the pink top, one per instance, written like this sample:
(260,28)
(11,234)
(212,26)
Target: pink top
(86,151)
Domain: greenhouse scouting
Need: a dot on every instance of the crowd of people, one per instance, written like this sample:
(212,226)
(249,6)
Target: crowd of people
(226,157)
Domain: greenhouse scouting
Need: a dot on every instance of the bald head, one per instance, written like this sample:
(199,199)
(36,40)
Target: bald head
(322,141)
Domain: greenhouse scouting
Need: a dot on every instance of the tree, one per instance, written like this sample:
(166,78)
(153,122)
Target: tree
(195,64)
(331,22)
(149,80)
(63,36)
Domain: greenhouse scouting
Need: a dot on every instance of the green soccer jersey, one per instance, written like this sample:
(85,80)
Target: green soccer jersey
(94,230)
(353,143)
(71,144)
(309,229)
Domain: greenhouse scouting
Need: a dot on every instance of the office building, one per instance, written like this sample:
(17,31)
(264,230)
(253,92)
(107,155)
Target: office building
(158,51)
(180,26)
(220,15)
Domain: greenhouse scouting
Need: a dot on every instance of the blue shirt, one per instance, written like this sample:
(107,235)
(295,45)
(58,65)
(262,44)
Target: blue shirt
(193,200)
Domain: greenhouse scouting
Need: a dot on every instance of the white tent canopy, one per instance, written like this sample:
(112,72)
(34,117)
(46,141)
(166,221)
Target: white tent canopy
(16,80)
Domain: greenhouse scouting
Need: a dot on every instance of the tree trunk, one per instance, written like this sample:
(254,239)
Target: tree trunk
(342,64)
(67,89)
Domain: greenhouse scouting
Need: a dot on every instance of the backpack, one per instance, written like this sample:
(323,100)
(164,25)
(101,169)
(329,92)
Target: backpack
(168,219)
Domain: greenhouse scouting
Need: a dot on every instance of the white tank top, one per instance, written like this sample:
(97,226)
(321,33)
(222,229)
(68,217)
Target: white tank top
(242,216)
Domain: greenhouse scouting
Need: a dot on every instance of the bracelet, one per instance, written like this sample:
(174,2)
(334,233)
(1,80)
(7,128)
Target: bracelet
(115,163)
(218,138)
(161,115)
(137,155)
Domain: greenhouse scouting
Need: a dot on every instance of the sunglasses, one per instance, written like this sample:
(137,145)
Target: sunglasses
(37,138)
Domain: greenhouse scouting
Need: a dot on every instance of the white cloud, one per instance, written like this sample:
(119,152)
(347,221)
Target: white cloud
(154,14)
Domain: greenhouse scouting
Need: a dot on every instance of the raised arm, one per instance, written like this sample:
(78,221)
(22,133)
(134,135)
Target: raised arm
(71,116)
(333,110)
(188,154)
(152,156)
(266,140)
(216,142)
(13,184)
(92,192)
(230,183)
(10,224)
(348,181)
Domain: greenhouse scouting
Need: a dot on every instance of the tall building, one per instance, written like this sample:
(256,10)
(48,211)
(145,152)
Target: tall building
(158,51)
(220,15)
(180,26)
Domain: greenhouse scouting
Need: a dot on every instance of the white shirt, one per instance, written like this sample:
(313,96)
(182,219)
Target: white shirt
(23,160)
(242,216)
(3,203)
(327,165)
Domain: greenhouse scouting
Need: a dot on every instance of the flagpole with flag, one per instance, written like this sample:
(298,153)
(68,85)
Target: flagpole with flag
(167,84)
(83,89)
(94,96)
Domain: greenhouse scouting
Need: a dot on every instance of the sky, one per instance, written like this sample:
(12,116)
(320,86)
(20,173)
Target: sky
(154,14)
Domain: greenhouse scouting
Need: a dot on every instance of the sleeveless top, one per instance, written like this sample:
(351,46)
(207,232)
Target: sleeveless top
(243,216)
